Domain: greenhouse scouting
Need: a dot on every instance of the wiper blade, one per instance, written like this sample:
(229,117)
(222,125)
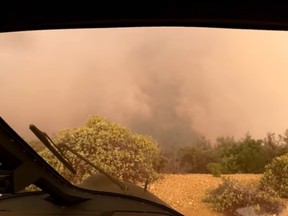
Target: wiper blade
(47,141)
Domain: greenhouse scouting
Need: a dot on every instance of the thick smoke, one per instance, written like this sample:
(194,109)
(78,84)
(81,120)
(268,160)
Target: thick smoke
(176,84)
(160,79)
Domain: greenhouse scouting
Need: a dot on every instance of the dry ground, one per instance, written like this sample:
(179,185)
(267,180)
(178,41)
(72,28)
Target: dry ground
(185,192)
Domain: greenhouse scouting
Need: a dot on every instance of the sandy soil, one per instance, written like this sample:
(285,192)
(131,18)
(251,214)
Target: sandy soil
(186,192)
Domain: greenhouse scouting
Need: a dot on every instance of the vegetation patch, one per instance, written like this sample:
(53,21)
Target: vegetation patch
(276,176)
(231,195)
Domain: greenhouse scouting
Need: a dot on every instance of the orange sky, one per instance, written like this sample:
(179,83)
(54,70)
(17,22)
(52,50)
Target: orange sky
(214,82)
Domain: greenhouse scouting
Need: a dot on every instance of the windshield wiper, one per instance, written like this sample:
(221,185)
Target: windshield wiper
(48,142)
(57,150)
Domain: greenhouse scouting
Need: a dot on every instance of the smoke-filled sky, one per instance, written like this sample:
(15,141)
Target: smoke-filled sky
(172,83)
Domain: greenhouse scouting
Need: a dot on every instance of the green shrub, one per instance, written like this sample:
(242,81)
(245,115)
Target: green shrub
(244,156)
(117,150)
(214,169)
(276,176)
(232,194)
(229,164)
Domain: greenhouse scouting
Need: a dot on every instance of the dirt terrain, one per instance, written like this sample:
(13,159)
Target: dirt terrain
(186,192)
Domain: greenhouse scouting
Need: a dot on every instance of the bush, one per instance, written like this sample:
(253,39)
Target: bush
(121,153)
(244,156)
(276,175)
(214,169)
(195,157)
(232,194)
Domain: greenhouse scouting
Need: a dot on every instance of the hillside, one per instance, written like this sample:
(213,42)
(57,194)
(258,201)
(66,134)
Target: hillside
(185,192)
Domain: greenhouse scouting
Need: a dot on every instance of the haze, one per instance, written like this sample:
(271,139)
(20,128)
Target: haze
(172,83)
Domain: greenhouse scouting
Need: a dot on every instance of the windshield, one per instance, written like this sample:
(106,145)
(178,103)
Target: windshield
(168,109)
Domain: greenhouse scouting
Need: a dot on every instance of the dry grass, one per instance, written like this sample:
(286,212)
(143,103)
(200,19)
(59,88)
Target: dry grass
(186,192)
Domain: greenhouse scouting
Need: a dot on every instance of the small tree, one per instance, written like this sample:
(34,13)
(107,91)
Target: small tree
(112,147)
(276,175)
